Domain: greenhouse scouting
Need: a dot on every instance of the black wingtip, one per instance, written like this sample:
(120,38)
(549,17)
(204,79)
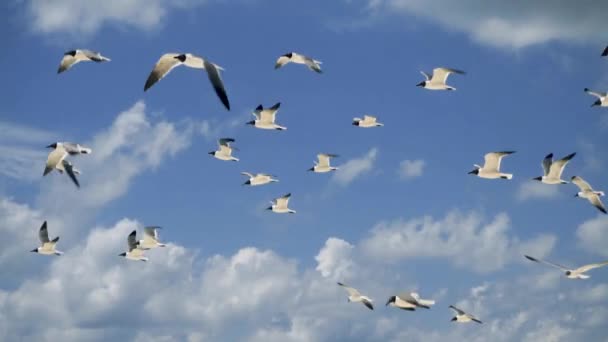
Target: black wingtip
(531,258)
(341,284)
(570,156)
(55,239)
(550,155)
(133,233)
(259,108)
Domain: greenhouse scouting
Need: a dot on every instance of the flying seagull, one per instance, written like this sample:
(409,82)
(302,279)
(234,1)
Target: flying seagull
(258,179)
(355,296)
(279,205)
(225,150)
(151,239)
(439,79)
(168,61)
(553,169)
(463,317)
(588,193)
(367,122)
(322,165)
(293,57)
(134,253)
(578,273)
(265,117)
(602,99)
(76,56)
(491,166)
(47,246)
(56,159)
(409,301)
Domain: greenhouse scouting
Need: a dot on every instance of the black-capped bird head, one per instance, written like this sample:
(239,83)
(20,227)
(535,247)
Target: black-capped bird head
(123,254)
(392,299)
(539,178)
(453,319)
(252,122)
(421,84)
(34,250)
(474,172)
(597,103)
(53,145)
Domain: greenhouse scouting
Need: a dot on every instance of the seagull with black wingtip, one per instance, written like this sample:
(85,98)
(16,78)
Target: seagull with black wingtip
(225,150)
(367,121)
(265,118)
(463,317)
(577,273)
(73,57)
(47,246)
(134,253)
(491,166)
(323,166)
(553,169)
(439,79)
(587,192)
(280,205)
(356,297)
(409,301)
(602,99)
(259,179)
(56,159)
(292,57)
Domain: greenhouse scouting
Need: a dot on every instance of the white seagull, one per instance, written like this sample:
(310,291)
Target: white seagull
(56,159)
(355,296)
(264,118)
(439,79)
(578,273)
(279,205)
(134,253)
(367,122)
(168,61)
(491,166)
(151,239)
(322,166)
(463,317)
(602,99)
(553,169)
(258,179)
(588,193)
(409,301)
(225,150)
(47,246)
(293,57)
(76,56)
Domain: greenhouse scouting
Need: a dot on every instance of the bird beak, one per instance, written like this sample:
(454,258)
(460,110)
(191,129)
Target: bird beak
(474,172)
(122,254)
(538,178)
(421,84)
(311,169)
(211,153)
(269,208)
(453,319)
(34,251)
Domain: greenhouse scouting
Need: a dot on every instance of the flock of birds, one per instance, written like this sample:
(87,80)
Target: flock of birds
(265,118)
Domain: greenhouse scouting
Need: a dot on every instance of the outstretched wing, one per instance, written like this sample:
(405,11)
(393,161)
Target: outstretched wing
(165,64)
(581,183)
(460,312)
(217,83)
(351,291)
(69,169)
(564,268)
(43,233)
(557,167)
(589,267)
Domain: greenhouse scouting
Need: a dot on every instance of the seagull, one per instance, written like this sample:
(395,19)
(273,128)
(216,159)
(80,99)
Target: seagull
(588,193)
(602,99)
(134,253)
(168,61)
(440,76)
(463,317)
(366,122)
(293,57)
(56,159)
(279,205)
(409,301)
(553,169)
(605,53)
(322,165)
(150,239)
(258,179)
(578,273)
(355,296)
(491,166)
(76,56)
(264,118)
(225,150)
(47,246)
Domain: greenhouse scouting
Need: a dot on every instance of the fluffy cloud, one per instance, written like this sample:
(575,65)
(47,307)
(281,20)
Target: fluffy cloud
(509,24)
(354,168)
(334,259)
(411,168)
(462,238)
(593,235)
(536,190)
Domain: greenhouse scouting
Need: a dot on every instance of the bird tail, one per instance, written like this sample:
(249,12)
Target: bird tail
(599,193)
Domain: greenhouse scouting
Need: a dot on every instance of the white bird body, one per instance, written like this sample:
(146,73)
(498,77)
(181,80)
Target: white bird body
(293,57)
(73,57)
(134,252)
(280,205)
(225,150)
(589,194)
(258,179)
(463,317)
(439,79)
(265,118)
(56,159)
(323,165)
(602,99)
(356,297)
(491,167)
(577,273)
(47,246)
(368,121)
(151,239)
(409,301)
(553,169)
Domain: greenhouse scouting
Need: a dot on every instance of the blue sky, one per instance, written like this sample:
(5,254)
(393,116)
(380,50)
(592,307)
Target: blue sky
(374,224)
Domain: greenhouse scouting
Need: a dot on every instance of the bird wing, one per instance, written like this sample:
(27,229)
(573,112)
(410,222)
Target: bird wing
(165,64)
(546,164)
(312,64)
(368,304)
(281,61)
(131,241)
(493,159)
(250,175)
(73,148)
(43,233)
(93,55)
(151,233)
(581,183)
(323,160)
(69,169)
(66,62)
(557,167)
(440,75)
(369,118)
(586,268)
(547,263)
(595,93)
(225,142)
(217,83)
(351,291)
(460,312)
(425,75)
(597,202)
(282,202)
(55,157)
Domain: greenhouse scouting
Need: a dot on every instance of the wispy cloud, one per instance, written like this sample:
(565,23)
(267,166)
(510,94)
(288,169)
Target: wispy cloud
(409,169)
(536,190)
(593,235)
(354,168)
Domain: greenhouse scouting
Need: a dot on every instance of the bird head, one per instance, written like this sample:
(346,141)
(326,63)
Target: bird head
(568,273)
(474,171)
(421,84)
(288,55)
(53,145)
(538,178)
(34,250)
(453,319)
(355,123)
(211,153)
(123,254)
(596,103)
(311,169)
(252,122)
(248,182)
(269,208)
(392,299)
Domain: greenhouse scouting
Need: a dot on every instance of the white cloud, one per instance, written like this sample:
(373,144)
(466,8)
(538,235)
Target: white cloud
(411,168)
(536,190)
(354,168)
(334,259)
(593,235)
(461,238)
(77,17)
(510,24)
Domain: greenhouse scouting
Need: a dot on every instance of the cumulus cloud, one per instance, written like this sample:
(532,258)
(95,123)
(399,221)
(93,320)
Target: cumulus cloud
(354,168)
(464,239)
(509,24)
(87,17)
(536,190)
(593,235)
(334,259)
(409,169)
